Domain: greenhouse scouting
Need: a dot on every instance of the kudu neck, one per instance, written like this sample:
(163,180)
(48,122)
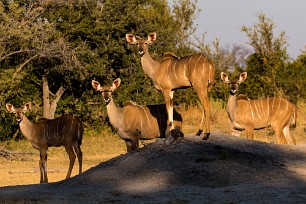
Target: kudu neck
(232,106)
(27,128)
(149,65)
(114,113)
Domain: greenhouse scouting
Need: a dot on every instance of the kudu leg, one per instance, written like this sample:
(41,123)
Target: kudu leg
(249,133)
(289,138)
(278,129)
(129,145)
(79,154)
(168,98)
(43,166)
(72,157)
(203,96)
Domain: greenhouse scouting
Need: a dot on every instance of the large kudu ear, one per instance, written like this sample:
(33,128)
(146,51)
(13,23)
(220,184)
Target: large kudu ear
(96,85)
(10,108)
(130,38)
(116,83)
(224,77)
(151,37)
(27,107)
(243,77)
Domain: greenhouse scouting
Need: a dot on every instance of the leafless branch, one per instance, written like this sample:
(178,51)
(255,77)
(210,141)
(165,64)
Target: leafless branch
(22,65)
(13,53)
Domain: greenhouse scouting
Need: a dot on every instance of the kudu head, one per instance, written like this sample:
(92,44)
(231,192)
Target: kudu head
(141,43)
(233,84)
(106,91)
(19,112)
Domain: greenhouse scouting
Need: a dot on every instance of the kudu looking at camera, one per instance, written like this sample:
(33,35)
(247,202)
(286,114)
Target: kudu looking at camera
(134,122)
(173,73)
(249,115)
(66,131)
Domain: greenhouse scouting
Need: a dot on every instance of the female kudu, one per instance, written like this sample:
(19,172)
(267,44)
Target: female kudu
(173,73)
(250,115)
(134,122)
(66,131)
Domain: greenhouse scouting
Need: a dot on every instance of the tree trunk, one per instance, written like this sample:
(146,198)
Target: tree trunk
(58,96)
(50,108)
(46,98)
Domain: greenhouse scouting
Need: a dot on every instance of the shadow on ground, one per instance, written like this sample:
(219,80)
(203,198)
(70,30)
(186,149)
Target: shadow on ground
(224,169)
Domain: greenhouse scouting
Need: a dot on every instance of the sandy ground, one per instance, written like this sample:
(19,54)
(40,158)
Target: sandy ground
(223,169)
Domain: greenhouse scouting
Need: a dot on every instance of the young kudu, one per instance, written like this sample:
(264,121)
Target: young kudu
(134,122)
(249,115)
(173,73)
(66,131)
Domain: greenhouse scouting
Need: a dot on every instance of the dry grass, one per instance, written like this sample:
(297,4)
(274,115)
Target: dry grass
(101,146)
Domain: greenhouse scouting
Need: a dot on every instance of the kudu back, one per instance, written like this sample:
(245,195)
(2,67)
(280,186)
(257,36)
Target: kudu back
(249,115)
(173,73)
(134,122)
(66,130)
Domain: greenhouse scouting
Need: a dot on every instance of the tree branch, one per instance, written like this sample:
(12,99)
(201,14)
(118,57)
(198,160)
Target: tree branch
(21,66)
(58,95)
(12,53)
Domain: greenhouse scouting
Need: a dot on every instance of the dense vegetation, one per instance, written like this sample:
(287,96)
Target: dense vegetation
(69,43)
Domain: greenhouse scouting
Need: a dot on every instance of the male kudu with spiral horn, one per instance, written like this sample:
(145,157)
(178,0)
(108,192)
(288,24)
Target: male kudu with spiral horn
(66,130)
(250,115)
(173,73)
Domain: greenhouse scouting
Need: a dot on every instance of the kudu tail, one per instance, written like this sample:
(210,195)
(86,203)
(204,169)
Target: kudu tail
(80,132)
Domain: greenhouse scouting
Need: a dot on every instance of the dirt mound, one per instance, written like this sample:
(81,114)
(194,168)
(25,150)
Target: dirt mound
(222,169)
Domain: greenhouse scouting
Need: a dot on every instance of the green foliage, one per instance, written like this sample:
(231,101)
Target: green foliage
(292,79)
(73,42)
(269,59)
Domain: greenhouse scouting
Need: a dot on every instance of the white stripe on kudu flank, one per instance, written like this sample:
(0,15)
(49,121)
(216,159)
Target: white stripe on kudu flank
(287,106)
(250,102)
(71,125)
(168,67)
(58,121)
(174,69)
(141,123)
(195,69)
(262,109)
(268,105)
(273,104)
(255,102)
(185,68)
(148,119)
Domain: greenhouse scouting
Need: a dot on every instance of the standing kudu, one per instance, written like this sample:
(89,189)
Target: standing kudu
(134,122)
(173,73)
(66,131)
(250,115)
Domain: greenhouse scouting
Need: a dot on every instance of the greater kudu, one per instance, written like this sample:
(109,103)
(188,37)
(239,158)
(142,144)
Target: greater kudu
(249,115)
(173,73)
(66,130)
(134,122)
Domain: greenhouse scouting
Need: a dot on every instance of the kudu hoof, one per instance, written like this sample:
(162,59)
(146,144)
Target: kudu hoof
(199,132)
(206,136)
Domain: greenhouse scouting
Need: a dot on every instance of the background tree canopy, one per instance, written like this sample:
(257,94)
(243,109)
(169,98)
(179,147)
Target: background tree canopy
(73,42)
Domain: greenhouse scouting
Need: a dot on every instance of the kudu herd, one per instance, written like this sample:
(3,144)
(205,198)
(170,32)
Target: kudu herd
(250,115)
(173,73)
(66,131)
(134,122)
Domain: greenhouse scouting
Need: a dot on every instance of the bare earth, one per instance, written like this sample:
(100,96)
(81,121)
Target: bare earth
(222,169)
